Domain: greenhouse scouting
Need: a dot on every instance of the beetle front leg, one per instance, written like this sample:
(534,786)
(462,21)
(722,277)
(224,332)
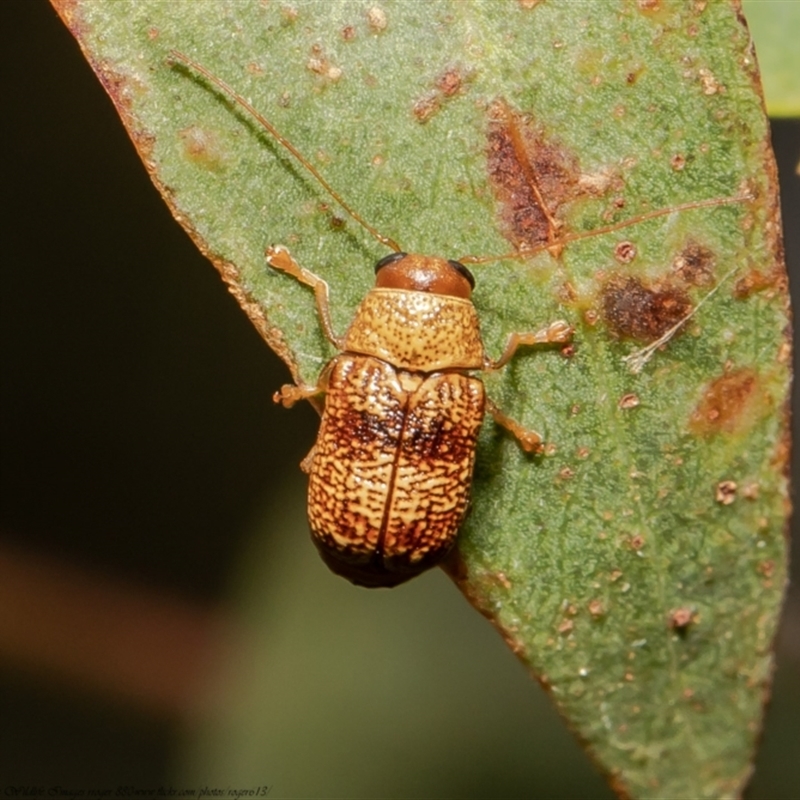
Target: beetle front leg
(530,441)
(558,332)
(278,257)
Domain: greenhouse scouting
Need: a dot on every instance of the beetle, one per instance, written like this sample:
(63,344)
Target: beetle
(391,469)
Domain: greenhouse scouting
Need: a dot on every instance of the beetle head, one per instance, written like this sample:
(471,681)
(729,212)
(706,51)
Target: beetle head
(417,273)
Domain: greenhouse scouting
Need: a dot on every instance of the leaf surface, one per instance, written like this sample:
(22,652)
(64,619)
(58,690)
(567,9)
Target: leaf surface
(638,566)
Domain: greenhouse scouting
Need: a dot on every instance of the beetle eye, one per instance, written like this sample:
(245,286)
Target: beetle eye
(462,270)
(392,258)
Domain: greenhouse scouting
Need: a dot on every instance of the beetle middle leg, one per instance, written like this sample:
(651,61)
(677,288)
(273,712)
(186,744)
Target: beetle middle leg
(558,332)
(278,257)
(530,441)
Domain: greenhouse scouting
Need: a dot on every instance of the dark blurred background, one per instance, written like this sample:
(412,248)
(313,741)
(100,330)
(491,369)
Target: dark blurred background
(139,447)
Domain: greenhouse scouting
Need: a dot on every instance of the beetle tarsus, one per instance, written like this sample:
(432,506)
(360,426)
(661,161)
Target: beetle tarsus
(558,332)
(530,441)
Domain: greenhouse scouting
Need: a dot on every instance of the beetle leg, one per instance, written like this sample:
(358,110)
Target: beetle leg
(305,464)
(558,332)
(291,394)
(278,257)
(530,441)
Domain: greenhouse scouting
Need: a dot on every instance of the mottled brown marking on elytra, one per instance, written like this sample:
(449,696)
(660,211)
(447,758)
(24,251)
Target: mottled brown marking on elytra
(632,310)
(202,147)
(408,443)
(531,176)
(695,264)
(724,401)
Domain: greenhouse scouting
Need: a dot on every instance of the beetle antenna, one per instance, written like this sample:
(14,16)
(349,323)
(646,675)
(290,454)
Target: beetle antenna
(270,128)
(522,255)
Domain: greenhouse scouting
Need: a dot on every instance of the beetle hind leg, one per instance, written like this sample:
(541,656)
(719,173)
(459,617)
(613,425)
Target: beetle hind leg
(530,441)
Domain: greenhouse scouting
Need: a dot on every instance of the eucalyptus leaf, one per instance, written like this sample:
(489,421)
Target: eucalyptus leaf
(637,566)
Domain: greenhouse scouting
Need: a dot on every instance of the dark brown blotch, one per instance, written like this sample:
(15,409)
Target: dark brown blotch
(632,310)
(531,175)
(695,265)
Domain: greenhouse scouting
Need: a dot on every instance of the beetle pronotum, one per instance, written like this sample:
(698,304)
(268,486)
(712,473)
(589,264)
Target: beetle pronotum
(391,469)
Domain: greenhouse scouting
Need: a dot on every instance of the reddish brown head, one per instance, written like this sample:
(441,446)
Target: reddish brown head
(424,274)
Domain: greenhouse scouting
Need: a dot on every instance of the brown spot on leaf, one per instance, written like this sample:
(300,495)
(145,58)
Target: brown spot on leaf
(289,14)
(681,618)
(628,401)
(757,281)
(446,85)
(695,265)
(590,316)
(426,106)
(678,162)
(202,147)
(596,608)
(377,20)
(531,176)
(625,252)
(751,491)
(450,82)
(724,401)
(566,626)
(320,64)
(348,33)
(766,568)
(632,310)
(726,492)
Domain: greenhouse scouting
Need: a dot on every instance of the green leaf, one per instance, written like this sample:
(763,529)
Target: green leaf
(638,567)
